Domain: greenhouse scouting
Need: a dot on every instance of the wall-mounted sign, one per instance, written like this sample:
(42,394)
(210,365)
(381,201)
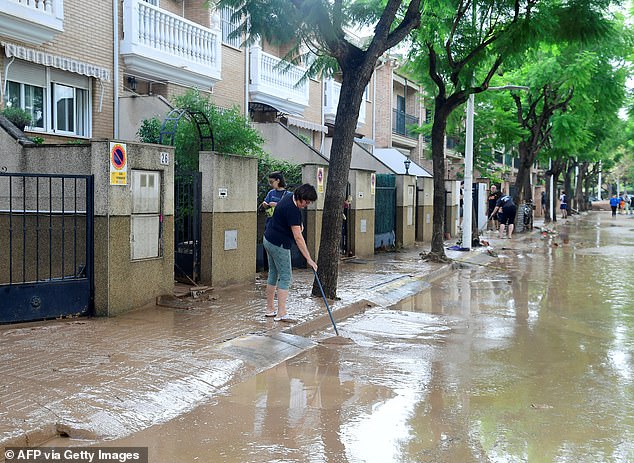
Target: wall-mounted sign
(118,164)
(320,180)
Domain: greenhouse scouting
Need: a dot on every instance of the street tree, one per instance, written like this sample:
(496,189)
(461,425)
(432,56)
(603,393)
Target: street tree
(320,28)
(462,44)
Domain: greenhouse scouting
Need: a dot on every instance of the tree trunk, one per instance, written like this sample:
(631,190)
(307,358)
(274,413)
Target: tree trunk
(547,217)
(523,179)
(568,182)
(438,156)
(339,166)
(580,199)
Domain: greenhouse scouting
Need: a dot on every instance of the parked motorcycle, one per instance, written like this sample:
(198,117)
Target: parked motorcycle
(527,209)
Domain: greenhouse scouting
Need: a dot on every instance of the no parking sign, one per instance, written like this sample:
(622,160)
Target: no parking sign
(118,164)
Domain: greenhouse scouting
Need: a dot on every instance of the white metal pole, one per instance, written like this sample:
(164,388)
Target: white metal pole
(467,201)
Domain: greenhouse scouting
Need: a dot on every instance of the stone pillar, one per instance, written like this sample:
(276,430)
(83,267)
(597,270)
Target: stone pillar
(405,226)
(116,269)
(229,218)
(425,209)
(361,213)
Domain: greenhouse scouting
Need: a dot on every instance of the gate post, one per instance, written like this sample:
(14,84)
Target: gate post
(229,218)
(127,276)
(361,213)
(405,197)
(317,176)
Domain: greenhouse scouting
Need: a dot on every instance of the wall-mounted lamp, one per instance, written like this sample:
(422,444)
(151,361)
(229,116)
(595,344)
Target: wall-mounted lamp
(407,163)
(132,83)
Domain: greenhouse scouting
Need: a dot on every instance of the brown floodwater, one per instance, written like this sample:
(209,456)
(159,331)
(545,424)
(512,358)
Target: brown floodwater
(528,359)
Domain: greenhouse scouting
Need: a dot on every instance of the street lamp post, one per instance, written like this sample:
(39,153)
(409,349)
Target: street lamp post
(407,163)
(467,201)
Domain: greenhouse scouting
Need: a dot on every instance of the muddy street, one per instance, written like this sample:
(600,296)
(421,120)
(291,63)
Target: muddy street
(525,360)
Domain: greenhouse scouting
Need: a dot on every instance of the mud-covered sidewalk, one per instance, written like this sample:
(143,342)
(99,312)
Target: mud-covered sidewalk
(101,378)
(98,378)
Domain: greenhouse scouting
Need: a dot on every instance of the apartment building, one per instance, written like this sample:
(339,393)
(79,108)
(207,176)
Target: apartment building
(57,64)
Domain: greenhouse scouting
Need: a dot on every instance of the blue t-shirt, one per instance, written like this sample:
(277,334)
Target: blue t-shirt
(275,195)
(278,229)
(614,201)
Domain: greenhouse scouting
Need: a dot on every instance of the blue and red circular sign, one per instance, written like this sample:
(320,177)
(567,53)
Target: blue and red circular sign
(118,156)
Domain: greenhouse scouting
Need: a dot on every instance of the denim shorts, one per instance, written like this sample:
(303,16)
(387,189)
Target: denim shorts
(280,270)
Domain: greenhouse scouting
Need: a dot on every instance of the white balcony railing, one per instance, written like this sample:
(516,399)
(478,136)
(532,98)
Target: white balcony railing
(161,45)
(276,84)
(332,90)
(32,21)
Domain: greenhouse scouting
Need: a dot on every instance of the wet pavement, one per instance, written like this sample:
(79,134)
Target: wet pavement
(523,357)
(106,378)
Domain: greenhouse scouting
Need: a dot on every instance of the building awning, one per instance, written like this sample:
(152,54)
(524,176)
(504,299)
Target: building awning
(304,124)
(59,62)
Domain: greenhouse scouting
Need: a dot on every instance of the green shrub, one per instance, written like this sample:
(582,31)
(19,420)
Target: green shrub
(18,117)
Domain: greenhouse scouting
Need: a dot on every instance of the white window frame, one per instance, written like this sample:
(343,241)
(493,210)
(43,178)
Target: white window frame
(37,76)
(228,27)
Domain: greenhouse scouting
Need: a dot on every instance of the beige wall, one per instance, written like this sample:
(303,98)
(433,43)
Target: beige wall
(224,262)
(229,92)
(405,210)
(122,284)
(425,210)
(361,214)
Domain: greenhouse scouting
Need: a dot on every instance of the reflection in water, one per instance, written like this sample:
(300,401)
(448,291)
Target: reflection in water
(526,360)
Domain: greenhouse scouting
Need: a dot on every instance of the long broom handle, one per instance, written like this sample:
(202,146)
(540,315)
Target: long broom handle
(334,325)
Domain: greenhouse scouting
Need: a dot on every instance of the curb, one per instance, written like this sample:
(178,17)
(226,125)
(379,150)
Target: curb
(400,289)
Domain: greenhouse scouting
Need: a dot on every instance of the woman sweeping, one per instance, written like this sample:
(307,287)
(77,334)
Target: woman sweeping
(284,228)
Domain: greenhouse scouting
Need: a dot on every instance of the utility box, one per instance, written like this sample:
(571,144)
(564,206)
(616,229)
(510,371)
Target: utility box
(145,219)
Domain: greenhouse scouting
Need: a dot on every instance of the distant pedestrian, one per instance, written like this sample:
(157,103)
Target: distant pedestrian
(508,211)
(563,205)
(631,204)
(284,229)
(543,203)
(621,203)
(626,203)
(494,195)
(614,204)
(275,194)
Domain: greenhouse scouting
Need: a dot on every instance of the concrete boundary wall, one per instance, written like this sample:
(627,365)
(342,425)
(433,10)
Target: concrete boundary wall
(121,283)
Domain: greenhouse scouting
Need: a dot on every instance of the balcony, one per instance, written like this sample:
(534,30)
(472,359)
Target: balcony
(32,21)
(332,89)
(401,123)
(275,83)
(162,46)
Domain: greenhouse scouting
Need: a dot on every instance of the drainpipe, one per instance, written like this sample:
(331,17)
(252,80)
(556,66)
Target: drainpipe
(323,134)
(115,72)
(247,58)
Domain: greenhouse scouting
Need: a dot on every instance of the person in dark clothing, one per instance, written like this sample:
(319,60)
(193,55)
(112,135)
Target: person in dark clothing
(508,210)
(494,195)
(543,203)
(284,229)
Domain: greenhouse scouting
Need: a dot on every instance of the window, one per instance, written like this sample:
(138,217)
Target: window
(30,98)
(59,102)
(229,26)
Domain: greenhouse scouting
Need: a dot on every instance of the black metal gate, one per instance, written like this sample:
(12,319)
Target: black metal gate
(187,226)
(46,246)
(385,211)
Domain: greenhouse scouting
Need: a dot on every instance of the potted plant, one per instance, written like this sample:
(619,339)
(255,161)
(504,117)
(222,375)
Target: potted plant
(18,117)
